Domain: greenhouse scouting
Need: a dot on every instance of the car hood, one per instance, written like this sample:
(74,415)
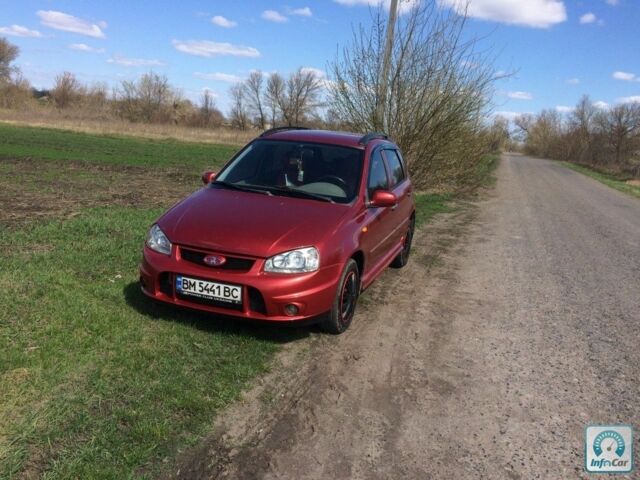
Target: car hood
(249,223)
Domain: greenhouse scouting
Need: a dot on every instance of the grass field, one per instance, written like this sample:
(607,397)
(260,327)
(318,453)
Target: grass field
(96,381)
(608,179)
(113,150)
(78,121)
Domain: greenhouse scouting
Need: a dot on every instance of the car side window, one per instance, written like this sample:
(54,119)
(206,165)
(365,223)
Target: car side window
(395,167)
(377,174)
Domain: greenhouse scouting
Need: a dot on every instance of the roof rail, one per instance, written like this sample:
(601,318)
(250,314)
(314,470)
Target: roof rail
(372,136)
(266,133)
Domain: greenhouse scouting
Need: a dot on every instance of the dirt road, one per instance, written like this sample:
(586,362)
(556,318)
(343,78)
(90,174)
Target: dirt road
(516,323)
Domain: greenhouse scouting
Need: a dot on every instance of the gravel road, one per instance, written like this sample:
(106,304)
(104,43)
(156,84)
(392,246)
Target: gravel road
(516,323)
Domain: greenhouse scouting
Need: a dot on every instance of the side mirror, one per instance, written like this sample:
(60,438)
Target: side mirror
(208,177)
(383,198)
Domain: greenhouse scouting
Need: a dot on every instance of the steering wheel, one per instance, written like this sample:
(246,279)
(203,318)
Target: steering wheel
(335,180)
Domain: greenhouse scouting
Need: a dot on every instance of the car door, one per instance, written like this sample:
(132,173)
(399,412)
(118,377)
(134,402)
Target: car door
(400,185)
(379,226)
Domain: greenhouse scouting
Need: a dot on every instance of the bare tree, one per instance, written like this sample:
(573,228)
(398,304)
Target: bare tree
(66,90)
(498,134)
(582,122)
(274,97)
(301,98)
(8,53)
(149,99)
(621,127)
(254,93)
(209,114)
(14,88)
(439,86)
(543,134)
(238,115)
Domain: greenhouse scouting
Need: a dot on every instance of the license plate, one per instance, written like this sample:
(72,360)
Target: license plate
(221,292)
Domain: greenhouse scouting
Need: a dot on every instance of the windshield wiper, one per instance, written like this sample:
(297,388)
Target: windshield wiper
(242,188)
(300,193)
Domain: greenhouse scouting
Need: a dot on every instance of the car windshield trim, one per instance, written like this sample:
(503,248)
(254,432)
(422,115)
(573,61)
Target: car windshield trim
(300,193)
(244,188)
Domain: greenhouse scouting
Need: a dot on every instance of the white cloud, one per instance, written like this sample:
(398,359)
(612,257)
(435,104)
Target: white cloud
(564,109)
(613,3)
(224,22)
(632,99)
(573,81)
(601,104)
(221,77)
(588,18)
(19,31)
(83,47)
(511,116)
(302,12)
(520,95)
(532,13)
(319,73)
(273,16)
(135,62)
(405,6)
(69,23)
(206,48)
(626,76)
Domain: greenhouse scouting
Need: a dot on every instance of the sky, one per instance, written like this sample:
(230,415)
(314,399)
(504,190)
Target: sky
(557,49)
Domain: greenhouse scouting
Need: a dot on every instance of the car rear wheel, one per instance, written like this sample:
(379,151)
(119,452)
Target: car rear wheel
(403,257)
(344,304)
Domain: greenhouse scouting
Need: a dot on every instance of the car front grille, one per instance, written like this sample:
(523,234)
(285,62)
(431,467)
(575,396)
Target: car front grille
(238,264)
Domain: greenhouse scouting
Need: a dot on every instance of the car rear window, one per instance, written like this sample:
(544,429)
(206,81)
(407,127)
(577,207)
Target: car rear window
(377,174)
(396,168)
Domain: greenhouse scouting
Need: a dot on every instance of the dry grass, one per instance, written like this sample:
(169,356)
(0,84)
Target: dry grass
(50,118)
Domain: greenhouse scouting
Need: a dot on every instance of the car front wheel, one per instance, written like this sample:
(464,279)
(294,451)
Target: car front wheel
(344,304)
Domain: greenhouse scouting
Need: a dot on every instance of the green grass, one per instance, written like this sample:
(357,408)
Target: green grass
(428,205)
(607,179)
(97,381)
(61,145)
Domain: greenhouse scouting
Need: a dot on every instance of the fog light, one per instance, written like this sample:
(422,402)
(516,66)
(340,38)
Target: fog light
(291,310)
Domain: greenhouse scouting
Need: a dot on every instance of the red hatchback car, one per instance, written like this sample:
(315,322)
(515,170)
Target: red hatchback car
(292,229)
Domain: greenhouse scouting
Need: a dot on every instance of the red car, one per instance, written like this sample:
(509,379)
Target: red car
(292,229)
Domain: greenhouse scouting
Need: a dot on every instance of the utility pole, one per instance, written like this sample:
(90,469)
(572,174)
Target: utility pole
(386,64)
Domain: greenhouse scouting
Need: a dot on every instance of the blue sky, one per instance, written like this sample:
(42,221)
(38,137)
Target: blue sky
(559,48)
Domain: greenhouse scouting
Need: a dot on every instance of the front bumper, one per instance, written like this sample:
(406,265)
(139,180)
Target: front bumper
(264,295)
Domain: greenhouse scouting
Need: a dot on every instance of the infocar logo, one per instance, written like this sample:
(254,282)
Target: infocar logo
(608,448)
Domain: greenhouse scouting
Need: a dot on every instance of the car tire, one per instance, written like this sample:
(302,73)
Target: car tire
(403,257)
(346,299)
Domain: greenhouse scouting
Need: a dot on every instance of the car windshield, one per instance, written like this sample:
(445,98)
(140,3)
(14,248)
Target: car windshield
(302,170)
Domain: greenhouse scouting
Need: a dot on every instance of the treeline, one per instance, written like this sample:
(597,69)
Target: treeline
(604,137)
(261,101)
(150,99)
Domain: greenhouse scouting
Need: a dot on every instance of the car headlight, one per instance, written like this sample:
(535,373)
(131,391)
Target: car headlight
(158,241)
(295,261)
